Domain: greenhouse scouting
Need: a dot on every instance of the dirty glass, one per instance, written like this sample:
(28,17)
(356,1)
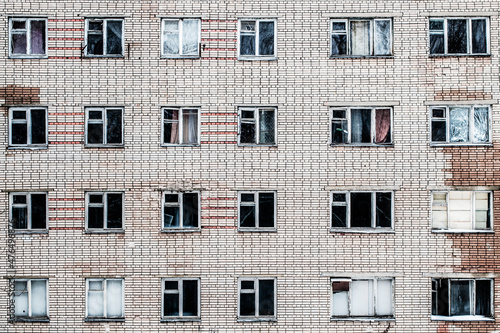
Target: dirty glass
(440,304)
(20,215)
(439,211)
(481,124)
(340,298)
(171,37)
(479,42)
(21,299)
(360,38)
(247,216)
(19,133)
(459,124)
(115,210)
(384,209)
(382,36)
(266,126)
(460,293)
(19,43)
(38,298)
(38,211)
(114,126)
(384,298)
(170,126)
(114,37)
(114,299)
(361,126)
(361,210)
(247,38)
(339,38)
(171,304)
(362,296)
(171,217)
(266,210)
(266,38)
(339,210)
(457,36)
(339,131)
(482,210)
(483,298)
(95,39)
(436,36)
(190,298)
(95,301)
(38,37)
(247,134)
(438,125)
(38,130)
(190,38)
(190,210)
(266,297)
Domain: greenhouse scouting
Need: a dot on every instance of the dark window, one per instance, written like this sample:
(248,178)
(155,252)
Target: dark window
(181,298)
(257,126)
(28,37)
(361,210)
(257,298)
(28,127)
(104,37)
(458,36)
(104,211)
(29,211)
(181,211)
(104,127)
(257,38)
(257,210)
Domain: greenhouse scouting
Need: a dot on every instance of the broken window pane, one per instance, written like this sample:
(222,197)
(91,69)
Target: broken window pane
(482,207)
(460,292)
(382,37)
(247,216)
(481,124)
(266,297)
(384,209)
(339,131)
(247,38)
(114,301)
(457,36)
(190,210)
(362,296)
(171,217)
(38,298)
(479,42)
(483,298)
(38,129)
(382,126)
(361,125)
(190,126)
(21,298)
(340,299)
(266,123)
(360,38)
(171,37)
(38,37)
(266,210)
(439,211)
(115,210)
(459,124)
(361,210)
(114,126)
(95,39)
(38,211)
(114,37)
(384,297)
(190,298)
(190,37)
(266,38)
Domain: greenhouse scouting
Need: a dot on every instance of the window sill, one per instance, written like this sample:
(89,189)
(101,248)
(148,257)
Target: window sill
(479,55)
(31,320)
(363,230)
(24,56)
(269,230)
(105,146)
(256,319)
(28,147)
(174,230)
(372,319)
(462,318)
(104,231)
(462,231)
(180,319)
(98,320)
(257,58)
(459,144)
(362,57)
(388,145)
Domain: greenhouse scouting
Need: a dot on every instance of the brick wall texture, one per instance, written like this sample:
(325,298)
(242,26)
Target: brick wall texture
(303,168)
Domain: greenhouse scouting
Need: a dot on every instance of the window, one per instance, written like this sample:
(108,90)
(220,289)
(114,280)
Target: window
(460,124)
(257,39)
(455,36)
(257,126)
(361,126)
(104,37)
(462,297)
(105,299)
(257,210)
(371,297)
(362,210)
(181,211)
(257,299)
(180,126)
(29,211)
(181,299)
(28,127)
(30,299)
(462,210)
(28,37)
(180,38)
(104,211)
(104,127)
(361,37)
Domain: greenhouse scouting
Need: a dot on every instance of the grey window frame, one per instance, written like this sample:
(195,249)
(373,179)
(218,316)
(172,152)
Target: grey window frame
(181,25)
(104,37)
(179,204)
(469,39)
(256,317)
(12,121)
(373,214)
(104,301)
(256,122)
(30,317)
(446,119)
(105,209)
(180,317)
(104,110)
(180,121)
(29,228)
(256,204)
(375,283)
(28,37)
(257,56)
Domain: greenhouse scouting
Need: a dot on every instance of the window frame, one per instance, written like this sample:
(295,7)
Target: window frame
(472,207)
(181,26)
(29,129)
(105,228)
(104,122)
(30,317)
(180,121)
(256,317)
(469,36)
(257,206)
(349,302)
(104,291)
(256,121)
(180,317)
(373,228)
(446,119)
(104,37)
(347,32)
(257,56)
(180,202)
(28,54)
(29,228)
(373,132)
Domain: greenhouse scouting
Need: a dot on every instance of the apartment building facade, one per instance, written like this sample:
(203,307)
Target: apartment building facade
(249,166)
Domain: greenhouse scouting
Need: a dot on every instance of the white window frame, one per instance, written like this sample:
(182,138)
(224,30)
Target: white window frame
(256,122)
(372,125)
(104,287)
(104,37)
(348,37)
(28,37)
(181,26)
(179,204)
(256,317)
(257,56)
(30,317)
(469,34)
(180,121)
(105,211)
(28,209)
(347,204)
(181,316)
(257,207)
(473,210)
(12,121)
(446,119)
(375,283)
(104,122)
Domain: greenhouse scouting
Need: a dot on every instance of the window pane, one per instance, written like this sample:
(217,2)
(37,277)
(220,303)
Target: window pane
(114,37)
(339,131)
(361,210)
(482,214)
(95,134)
(190,210)
(171,37)
(436,25)
(382,37)
(247,197)
(247,216)
(21,298)
(95,25)
(436,43)
(479,43)
(37,37)
(19,44)
(19,134)
(18,114)
(266,297)
(96,218)
(114,298)
(114,126)
(439,211)
(95,285)
(459,124)
(38,298)
(362,298)
(171,198)
(384,297)
(171,128)
(247,304)
(460,207)
(266,38)
(266,127)
(38,211)
(339,216)
(95,44)
(340,299)
(190,298)
(384,209)
(190,126)
(247,44)
(247,114)
(481,125)
(170,305)
(38,127)
(247,134)
(266,210)
(460,292)
(438,131)
(171,285)
(20,217)
(115,210)
(190,37)
(361,126)
(171,217)
(95,304)
(440,304)
(19,25)
(483,298)
(96,198)
(95,114)
(339,44)
(247,284)
(457,36)
(383,126)
(360,38)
